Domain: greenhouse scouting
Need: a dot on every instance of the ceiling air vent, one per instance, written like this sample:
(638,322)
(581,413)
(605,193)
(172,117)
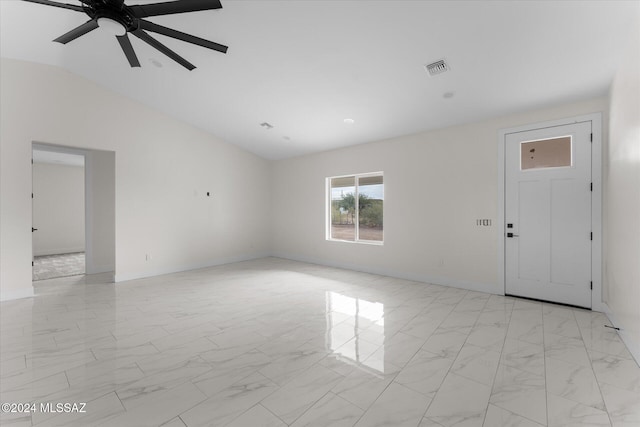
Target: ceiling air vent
(437,67)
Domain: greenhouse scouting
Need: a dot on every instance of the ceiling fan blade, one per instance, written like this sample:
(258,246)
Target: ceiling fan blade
(56,4)
(150,26)
(171,7)
(77,32)
(145,37)
(125,44)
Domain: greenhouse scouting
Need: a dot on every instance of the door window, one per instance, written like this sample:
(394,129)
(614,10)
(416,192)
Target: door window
(546,153)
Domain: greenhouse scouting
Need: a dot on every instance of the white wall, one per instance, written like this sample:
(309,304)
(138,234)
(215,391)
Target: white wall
(101,211)
(58,209)
(622,199)
(163,170)
(437,184)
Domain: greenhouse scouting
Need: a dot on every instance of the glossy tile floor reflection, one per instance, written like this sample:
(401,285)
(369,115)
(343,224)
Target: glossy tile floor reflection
(275,343)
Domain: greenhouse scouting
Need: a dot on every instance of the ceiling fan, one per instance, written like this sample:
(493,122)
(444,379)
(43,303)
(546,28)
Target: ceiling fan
(119,19)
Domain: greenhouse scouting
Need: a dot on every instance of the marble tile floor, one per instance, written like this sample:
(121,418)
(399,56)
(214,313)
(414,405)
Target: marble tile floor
(273,342)
(61,265)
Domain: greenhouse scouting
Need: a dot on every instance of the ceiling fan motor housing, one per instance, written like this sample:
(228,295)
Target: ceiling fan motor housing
(113,10)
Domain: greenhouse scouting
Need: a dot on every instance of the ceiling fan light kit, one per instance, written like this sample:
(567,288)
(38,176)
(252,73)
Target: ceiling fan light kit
(115,17)
(112,27)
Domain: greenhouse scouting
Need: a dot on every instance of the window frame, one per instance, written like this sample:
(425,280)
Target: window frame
(328,206)
(571,154)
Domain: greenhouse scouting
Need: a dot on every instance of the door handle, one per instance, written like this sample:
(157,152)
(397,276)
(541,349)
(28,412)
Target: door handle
(512,235)
(33,229)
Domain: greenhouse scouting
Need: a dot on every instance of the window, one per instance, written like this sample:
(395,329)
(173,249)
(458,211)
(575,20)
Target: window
(355,208)
(545,153)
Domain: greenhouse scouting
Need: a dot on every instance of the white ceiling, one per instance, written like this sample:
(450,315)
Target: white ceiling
(304,66)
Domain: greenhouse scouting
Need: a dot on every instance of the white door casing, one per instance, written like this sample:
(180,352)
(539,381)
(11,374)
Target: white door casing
(548,253)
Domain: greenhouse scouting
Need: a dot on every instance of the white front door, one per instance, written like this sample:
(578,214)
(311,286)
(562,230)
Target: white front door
(548,214)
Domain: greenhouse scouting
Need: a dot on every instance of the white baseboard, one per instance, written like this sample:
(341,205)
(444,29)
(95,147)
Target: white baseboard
(632,345)
(491,288)
(8,295)
(99,269)
(58,251)
(119,277)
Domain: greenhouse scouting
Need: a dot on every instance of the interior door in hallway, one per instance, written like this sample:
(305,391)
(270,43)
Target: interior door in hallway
(548,214)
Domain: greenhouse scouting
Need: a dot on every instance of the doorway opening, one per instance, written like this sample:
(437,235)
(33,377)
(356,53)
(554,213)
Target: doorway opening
(73,206)
(58,206)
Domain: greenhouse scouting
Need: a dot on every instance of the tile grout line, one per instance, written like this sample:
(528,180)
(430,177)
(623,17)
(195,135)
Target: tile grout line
(606,410)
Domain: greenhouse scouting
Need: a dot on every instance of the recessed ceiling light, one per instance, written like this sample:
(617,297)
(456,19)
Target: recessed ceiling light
(349,121)
(448,95)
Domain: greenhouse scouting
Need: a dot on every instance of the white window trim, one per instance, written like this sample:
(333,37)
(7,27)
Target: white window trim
(327,209)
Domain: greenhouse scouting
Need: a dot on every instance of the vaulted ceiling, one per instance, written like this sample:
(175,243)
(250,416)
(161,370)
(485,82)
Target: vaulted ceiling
(305,66)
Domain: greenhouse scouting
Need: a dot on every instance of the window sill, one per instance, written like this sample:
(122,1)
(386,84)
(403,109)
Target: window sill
(361,242)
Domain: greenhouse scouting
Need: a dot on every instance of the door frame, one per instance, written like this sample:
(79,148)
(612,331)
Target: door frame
(88,212)
(90,238)
(597,303)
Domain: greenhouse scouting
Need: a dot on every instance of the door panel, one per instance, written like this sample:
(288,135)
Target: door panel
(548,204)
(532,245)
(570,232)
